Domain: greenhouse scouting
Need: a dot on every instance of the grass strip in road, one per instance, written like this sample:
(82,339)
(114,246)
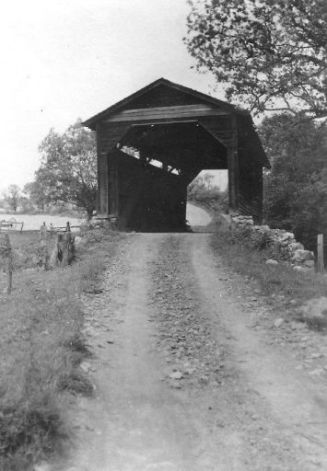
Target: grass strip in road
(41,347)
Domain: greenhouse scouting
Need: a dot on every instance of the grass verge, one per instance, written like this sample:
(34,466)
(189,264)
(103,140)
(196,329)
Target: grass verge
(41,347)
(271,280)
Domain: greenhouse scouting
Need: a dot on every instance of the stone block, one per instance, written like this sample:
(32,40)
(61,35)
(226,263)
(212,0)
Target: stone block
(302,255)
(296,246)
(271,261)
(309,263)
(301,269)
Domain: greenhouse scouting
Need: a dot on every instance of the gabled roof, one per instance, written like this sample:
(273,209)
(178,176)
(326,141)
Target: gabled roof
(91,122)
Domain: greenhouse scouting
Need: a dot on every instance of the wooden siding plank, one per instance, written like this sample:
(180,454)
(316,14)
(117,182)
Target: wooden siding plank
(113,183)
(166,112)
(219,128)
(102,196)
(107,138)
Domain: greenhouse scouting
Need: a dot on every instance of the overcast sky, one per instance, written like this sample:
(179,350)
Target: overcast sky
(67,59)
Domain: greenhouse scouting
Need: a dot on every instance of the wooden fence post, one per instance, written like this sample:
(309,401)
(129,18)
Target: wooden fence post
(63,252)
(320,253)
(10,271)
(44,246)
(7,257)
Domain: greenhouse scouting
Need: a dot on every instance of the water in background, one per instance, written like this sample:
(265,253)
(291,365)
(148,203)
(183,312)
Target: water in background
(35,221)
(32,222)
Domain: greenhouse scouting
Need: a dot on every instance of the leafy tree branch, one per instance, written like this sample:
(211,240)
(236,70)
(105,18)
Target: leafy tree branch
(267,52)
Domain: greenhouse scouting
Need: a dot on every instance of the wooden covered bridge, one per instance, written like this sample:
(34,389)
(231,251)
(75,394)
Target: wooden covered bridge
(153,143)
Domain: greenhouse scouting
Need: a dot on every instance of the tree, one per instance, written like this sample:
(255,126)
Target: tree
(269,53)
(12,197)
(203,192)
(296,189)
(68,169)
(310,209)
(35,194)
(202,184)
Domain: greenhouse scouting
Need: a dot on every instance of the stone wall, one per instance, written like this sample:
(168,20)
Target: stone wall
(280,244)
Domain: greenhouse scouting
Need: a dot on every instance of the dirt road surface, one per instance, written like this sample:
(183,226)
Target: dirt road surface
(183,381)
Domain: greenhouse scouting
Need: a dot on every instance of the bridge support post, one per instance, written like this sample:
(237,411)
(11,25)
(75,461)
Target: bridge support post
(113,176)
(233,167)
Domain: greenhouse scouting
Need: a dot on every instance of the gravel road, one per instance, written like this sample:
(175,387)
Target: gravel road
(183,381)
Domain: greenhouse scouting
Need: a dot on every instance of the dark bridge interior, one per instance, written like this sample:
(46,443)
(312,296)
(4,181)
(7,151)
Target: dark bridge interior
(152,144)
(157,162)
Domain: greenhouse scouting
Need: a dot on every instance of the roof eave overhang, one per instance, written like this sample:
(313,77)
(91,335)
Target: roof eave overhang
(92,122)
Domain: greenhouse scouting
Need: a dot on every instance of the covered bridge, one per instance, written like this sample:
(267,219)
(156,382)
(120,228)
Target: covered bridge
(153,143)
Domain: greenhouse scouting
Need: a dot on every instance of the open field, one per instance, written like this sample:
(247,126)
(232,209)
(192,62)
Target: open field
(41,347)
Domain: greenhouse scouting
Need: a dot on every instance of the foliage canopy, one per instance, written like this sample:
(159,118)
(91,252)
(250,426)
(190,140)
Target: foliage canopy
(296,189)
(205,193)
(12,197)
(68,169)
(269,53)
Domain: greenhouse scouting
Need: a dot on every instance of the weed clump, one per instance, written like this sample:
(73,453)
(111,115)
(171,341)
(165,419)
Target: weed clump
(314,313)
(318,324)
(28,432)
(77,344)
(76,383)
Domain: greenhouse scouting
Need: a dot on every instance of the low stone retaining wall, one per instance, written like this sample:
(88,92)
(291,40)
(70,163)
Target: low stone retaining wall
(281,244)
